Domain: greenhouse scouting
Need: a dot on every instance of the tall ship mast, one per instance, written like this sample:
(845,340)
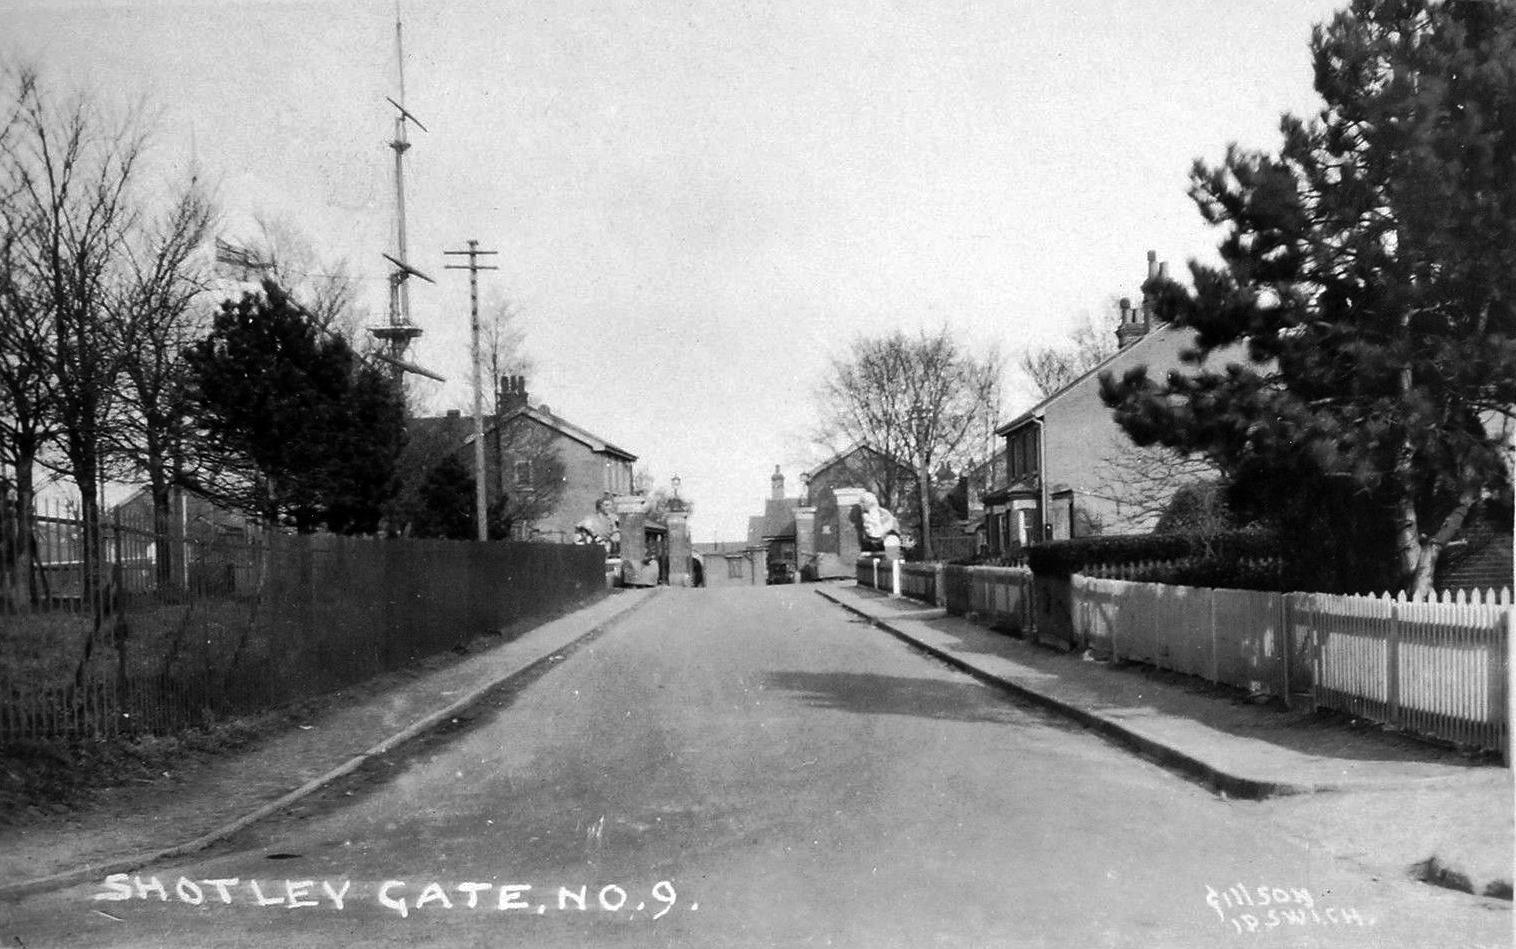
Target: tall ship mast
(398,333)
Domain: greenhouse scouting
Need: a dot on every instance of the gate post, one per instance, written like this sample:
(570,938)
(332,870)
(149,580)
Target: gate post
(678,547)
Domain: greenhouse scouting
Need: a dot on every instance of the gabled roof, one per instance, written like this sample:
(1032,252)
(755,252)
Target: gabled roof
(594,442)
(1037,410)
(848,452)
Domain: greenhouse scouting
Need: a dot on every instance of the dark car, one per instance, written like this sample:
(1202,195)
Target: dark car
(781,571)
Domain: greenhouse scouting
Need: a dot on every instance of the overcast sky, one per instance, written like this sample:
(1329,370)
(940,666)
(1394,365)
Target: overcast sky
(696,205)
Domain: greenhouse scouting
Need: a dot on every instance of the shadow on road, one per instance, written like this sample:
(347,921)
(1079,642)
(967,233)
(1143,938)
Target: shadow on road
(872,694)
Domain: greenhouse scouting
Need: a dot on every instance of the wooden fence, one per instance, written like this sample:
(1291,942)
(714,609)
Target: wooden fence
(1001,597)
(1241,638)
(1439,667)
(325,612)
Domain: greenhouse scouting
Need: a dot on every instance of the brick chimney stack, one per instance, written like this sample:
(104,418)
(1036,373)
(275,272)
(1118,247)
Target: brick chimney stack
(512,395)
(777,482)
(1136,322)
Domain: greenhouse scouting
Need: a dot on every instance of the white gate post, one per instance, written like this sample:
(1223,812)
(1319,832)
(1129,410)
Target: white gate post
(895,576)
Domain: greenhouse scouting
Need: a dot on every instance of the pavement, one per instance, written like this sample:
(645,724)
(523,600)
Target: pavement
(189,812)
(1386,801)
(754,767)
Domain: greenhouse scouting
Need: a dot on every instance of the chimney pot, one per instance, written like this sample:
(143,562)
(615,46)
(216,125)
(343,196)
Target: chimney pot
(512,393)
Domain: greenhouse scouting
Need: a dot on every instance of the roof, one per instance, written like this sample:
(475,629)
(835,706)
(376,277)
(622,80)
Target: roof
(729,548)
(847,453)
(1481,557)
(442,427)
(594,442)
(778,518)
(1037,410)
(459,429)
(755,531)
(1026,484)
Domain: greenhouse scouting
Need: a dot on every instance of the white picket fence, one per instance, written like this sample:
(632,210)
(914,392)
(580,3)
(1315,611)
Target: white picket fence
(1438,666)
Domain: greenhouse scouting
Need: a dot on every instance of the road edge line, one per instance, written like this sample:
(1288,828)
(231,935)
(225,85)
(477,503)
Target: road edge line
(1171,759)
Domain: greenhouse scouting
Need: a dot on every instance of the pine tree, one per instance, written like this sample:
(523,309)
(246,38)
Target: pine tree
(292,427)
(1370,269)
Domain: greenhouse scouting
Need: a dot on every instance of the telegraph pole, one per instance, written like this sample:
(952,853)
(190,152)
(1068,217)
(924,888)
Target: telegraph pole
(481,508)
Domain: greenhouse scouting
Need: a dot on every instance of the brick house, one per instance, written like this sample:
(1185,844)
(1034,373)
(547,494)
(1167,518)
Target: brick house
(1069,470)
(551,471)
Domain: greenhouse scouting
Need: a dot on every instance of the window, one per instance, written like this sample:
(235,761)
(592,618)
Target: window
(523,474)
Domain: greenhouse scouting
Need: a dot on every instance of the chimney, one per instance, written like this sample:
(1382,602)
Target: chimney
(454,413)
(1135,323)
(777,481)
(512,394)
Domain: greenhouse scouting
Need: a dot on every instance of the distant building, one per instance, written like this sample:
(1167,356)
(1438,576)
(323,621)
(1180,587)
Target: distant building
(812,533)
(548,472)
(731,564)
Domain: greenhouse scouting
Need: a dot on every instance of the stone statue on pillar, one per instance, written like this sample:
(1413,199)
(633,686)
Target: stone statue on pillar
(880,530)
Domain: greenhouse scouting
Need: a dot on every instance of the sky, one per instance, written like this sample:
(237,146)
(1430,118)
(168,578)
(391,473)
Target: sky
(698,206)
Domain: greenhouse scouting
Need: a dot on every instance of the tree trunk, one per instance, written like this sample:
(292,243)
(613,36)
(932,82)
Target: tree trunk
(164,551)
(20,580)
(924,498)
(1431,550)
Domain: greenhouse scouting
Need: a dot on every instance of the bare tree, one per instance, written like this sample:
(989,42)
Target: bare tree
(918,399)
(531,483)
(502,340)
(1143,483)
(164,278)
(72,171)
(1051,368)
(26,340)
(324,287)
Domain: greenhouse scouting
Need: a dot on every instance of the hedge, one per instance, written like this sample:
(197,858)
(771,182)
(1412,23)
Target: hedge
(1216,554)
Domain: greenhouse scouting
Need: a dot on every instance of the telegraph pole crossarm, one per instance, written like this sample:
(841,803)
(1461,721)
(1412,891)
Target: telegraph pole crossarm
(481,507)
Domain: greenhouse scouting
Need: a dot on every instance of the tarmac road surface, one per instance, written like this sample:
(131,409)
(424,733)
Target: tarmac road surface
(751,767)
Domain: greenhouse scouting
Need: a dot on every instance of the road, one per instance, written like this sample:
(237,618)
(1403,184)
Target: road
(752,767)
